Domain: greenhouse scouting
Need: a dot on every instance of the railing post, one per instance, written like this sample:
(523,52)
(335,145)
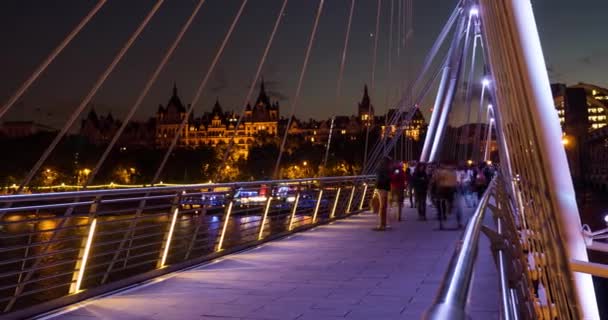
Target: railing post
(294,209)
(164,252)
(333,210)
(85,249)
(319,198)
(350,200)
(363,196)
(264,217)
(226,221)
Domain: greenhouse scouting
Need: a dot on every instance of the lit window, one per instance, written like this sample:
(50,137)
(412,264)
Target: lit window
(343,131)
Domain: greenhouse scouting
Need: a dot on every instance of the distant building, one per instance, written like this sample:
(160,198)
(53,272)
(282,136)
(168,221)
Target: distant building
(20,129)
(366,109)
(596,169)
(412,123)
(218,126)
(100,130)
(582,103)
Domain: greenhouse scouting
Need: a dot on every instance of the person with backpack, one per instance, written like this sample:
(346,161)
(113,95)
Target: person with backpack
(398,178)
(420,185)
(481,181)
(383,186)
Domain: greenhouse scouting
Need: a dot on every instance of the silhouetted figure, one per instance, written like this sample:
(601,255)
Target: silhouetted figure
(420,185)
(383,186)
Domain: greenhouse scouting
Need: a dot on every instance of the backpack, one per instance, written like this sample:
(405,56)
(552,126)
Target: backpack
(480,179)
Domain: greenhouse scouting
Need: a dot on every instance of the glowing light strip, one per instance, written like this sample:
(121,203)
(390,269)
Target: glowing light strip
(350,200)
(333,210)
(293,211)
(314,216)
(219,245)
(85,256)
(264,218)
(169,237)
(363,197)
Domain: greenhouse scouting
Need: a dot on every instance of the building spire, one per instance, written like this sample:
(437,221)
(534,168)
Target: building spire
(174,89)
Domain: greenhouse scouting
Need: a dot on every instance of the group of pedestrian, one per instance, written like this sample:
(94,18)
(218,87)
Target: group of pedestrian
(445,186)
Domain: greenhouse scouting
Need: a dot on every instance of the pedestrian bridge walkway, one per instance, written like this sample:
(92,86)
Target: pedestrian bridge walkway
(340,270)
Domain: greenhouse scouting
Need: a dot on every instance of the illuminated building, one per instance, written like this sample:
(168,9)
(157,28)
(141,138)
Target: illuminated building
(19,129)
(366,109)
(217,127)
(594,105)
(413,125)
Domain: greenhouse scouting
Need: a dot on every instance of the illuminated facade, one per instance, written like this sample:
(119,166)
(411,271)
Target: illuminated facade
(413,125)
(595,104)
(217,127)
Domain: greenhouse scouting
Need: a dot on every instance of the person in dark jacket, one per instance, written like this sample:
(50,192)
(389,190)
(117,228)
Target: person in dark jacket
(383,186)
(420,184)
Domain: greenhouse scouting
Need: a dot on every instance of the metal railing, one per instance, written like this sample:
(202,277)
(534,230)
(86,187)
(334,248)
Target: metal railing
(59,248)
(451,299)
(527,273)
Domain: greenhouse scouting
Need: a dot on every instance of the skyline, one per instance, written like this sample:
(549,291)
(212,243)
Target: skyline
(63,85)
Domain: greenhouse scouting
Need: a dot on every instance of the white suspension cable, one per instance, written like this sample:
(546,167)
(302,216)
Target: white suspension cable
(199,92)
(298,89)
(90,95)
(145,91)
(340,77)
(42,67)
(373,82)
(256,77)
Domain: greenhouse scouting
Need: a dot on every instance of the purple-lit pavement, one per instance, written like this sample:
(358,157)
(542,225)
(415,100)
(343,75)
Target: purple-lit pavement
(341,270)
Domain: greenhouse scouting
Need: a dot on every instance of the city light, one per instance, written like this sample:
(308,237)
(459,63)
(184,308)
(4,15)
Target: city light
(565,141)
(470,162)
(305,163)
(485,82)
(474,11)
(606,219)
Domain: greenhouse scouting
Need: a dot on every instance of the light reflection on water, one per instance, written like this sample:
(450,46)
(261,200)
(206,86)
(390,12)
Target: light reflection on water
(241,229)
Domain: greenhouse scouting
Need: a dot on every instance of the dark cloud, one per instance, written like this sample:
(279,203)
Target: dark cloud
(277,95)
(273,89)
(220,82)
(554,75)
(586,60)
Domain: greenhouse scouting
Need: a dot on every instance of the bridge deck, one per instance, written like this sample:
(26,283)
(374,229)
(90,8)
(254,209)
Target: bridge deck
(342,270)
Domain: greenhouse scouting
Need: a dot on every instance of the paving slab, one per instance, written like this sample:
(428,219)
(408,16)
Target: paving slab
(343,270)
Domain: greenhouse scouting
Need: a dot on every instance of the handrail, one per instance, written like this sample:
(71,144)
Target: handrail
(452,296)
(119,246)
(110,192)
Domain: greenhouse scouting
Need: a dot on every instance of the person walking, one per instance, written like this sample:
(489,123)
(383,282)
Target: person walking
(420,185)
(409,172)
(383,186)
(398,181)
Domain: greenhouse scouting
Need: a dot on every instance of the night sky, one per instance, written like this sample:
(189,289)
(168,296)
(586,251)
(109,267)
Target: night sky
(573,34)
